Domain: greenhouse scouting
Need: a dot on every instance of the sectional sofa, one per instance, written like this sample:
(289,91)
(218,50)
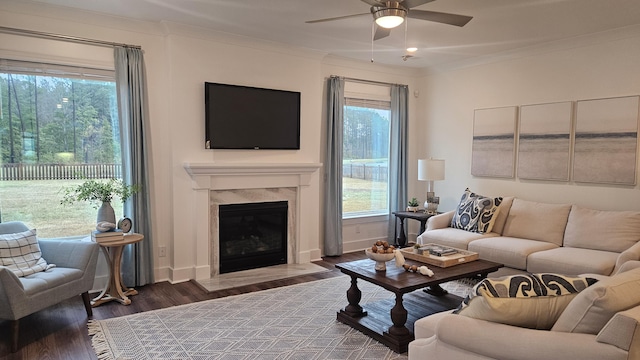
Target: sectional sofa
(600,321)
(541,237)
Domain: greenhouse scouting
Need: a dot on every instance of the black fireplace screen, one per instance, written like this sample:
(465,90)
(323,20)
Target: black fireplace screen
(252,235)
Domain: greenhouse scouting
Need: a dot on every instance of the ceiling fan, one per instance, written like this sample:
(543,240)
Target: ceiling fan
(390,14)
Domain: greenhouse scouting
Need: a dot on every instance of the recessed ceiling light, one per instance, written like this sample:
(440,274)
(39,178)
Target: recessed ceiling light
(412,49)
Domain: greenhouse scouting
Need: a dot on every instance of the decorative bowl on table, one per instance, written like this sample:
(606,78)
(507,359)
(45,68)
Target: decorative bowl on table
(380,258)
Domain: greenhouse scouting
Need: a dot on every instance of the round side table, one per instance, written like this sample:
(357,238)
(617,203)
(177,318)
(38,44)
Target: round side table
(115,290)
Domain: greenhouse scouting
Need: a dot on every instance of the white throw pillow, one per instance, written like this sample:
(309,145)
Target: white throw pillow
(20,252)
(590,311)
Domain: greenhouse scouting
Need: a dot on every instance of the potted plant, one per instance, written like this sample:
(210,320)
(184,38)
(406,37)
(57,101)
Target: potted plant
(416,248)
(413,205)
(99,194)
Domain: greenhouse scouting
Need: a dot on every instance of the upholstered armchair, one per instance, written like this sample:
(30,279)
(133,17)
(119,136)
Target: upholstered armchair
(72,275)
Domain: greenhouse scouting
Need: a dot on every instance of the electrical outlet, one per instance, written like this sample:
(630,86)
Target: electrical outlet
(357,229)
(162,251)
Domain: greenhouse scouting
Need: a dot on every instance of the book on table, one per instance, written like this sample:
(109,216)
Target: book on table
(439,255)
(107,236)
(439,250)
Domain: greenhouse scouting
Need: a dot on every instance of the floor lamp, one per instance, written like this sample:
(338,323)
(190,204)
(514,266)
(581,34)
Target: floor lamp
(431,170)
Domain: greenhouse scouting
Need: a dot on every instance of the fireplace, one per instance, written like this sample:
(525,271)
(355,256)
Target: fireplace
(221,183)
(252,235)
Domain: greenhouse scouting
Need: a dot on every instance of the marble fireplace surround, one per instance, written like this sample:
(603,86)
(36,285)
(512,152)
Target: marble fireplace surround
(215,184)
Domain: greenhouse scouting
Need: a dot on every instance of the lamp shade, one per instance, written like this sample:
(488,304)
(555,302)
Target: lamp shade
(430,169)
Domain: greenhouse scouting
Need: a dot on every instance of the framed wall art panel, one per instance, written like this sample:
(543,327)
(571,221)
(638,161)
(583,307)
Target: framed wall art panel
(606,141)
(494,142)
(544,141)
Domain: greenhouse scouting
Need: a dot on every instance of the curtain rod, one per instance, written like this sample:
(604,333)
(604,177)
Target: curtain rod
(75,39)
(366,81)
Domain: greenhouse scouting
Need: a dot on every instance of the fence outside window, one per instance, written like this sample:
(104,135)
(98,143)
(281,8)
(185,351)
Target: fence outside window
(375,172)
(16,172)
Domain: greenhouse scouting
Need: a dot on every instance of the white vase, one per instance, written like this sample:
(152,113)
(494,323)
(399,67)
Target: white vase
(106,213)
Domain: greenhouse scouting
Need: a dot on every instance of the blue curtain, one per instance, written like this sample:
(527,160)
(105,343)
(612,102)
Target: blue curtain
(137,262)
(397,155)
(333,168)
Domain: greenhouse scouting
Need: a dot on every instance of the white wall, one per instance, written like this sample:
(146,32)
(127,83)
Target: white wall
(600,66)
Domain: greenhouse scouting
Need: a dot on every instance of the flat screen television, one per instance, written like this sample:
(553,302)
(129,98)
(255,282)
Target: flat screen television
(242,117)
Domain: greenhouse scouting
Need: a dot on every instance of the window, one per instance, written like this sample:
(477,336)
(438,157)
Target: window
(365,157)
(58,125)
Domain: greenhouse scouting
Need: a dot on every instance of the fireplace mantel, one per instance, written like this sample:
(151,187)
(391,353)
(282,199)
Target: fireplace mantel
(212,168)
(226,176)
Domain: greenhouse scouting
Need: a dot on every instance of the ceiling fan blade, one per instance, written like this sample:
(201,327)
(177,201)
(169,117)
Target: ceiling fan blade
(445,18)
(336,18)
(374,2)
(413,3)
(381,32)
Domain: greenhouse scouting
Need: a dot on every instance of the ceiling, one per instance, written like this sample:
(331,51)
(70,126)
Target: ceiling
(497,27)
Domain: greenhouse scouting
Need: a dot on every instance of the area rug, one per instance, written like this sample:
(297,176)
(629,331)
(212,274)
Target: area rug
(292,322)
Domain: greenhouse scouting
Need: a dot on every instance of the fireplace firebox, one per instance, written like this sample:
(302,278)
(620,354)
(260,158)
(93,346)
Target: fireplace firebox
(252,235)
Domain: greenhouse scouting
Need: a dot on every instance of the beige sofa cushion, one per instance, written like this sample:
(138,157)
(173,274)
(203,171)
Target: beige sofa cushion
(511,252)
(594,307)
(572,261)
(503,213)
(456,238)
(602,230)
(537,221)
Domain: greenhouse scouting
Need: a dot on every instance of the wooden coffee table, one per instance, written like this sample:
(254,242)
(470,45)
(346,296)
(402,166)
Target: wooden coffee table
(396,330)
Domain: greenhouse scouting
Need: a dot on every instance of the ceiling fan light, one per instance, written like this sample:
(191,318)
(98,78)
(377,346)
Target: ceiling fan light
(389,22)
(389,18)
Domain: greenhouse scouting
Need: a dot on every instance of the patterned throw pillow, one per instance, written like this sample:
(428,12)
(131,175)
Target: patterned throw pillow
(476,213)
(530,300)
(20,252)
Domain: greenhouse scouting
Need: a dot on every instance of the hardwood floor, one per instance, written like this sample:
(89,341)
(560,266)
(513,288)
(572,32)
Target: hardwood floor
(60,332)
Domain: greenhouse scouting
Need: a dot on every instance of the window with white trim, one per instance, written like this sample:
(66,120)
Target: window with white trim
(365,151)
